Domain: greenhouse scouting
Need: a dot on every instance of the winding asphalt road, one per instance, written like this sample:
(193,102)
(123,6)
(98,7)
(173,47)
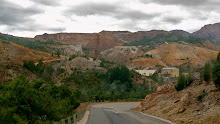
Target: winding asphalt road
(120,113)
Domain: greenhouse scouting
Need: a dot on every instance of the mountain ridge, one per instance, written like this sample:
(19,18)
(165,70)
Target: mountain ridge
(209,32)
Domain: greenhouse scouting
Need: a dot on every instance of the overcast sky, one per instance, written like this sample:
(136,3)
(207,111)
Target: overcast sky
(28,18)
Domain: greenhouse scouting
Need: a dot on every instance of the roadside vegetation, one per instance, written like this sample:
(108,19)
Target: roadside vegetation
(25,101)
(40,101)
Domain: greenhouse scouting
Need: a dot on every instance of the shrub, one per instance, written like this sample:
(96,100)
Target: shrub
(207,72)
(216,75)
(148,56)
(189,80)
(218,58)
(72,57)
(201,96)
(29,66)
(60,71)
(181,83)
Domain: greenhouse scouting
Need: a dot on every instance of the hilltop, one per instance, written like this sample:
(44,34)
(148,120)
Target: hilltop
(108,39)
(209,32)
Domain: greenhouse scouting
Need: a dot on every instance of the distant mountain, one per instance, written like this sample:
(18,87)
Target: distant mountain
(181,32)
(108,39)
(209,32)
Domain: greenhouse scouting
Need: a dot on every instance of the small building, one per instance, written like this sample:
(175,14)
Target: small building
(171,72)
(146,72)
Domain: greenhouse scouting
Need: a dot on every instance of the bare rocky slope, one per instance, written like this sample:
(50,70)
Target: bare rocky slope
(184,107)
(176,54)
(171,54)
(122,53)
(108,39)
(99,41)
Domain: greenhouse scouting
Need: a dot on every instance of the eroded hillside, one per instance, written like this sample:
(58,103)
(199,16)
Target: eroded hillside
(184,107)
(176,54)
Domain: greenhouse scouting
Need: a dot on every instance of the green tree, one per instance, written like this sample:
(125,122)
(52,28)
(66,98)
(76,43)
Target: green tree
(29,66)
(216,75)
(218,58)
(180,83)
(58,53)
(40,67)
(122,74)
(189,80)
(207,72)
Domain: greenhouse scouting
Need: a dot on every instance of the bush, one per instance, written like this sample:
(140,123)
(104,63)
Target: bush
(72,57)
(29,66)
(189,80)
(207,72)
(181,83)
(218,58)
(201,96)
(148,56)
(60,71)
(216,75)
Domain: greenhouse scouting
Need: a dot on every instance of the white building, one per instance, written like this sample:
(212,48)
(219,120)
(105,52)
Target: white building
(146,72)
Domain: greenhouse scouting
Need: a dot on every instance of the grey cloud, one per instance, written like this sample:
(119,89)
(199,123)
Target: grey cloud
(92,9)
(47,2)
(135,15)
(173,20)
(197,9)
(132,26)
(17,18)
(34,27)
(112,10)
(13,14)
(182,2)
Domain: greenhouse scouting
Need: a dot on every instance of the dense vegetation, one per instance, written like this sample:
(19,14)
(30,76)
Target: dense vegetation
(40,101)
(115,84)
(40,69)
(33,102)
(37,45)
(161,38)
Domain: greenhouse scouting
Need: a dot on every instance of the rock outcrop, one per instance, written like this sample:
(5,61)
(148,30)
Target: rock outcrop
(122,53)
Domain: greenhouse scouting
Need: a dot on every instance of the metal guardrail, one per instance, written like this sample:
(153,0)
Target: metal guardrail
(78,116)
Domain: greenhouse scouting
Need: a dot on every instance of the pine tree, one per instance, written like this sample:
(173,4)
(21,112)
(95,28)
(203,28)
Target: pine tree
(180,83)
(207,72)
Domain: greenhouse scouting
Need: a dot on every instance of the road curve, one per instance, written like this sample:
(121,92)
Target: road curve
(120,113)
